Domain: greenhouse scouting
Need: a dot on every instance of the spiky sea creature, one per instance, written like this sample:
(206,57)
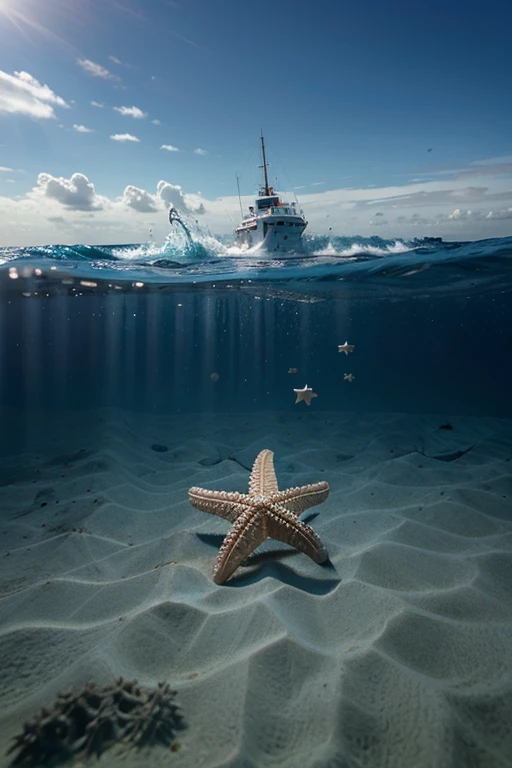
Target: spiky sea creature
(88,722)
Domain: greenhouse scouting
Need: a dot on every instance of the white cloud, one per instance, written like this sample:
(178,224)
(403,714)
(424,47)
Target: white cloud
(5,169)
(83,129)
(96,70)
(504,213)
(116,61)
(172,194)
(166,195)
(459,214)
(97,104)
(76,193)
(139,199)
(21,93)
(169,148)
(156,121)
(123,137)
(200,151)
(62,210)
(135,112)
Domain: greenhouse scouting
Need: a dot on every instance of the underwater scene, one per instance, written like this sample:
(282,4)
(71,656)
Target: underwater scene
(256,511)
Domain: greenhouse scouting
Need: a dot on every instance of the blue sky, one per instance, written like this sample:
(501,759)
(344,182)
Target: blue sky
(111,109)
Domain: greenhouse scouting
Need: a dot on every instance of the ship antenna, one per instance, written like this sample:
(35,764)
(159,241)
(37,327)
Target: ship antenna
(264,166)
(239,198)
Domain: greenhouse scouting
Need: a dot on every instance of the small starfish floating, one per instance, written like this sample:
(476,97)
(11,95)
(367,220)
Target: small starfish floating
(305,394)
(263,513)
(346,347)
(348,377)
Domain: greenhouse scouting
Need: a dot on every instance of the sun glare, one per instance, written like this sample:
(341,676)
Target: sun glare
(17,12)
(28,17)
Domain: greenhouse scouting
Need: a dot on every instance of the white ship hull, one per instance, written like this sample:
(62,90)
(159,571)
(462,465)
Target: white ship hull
(281,234)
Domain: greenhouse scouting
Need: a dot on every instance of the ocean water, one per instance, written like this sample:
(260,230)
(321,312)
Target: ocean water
(130,373)
(176,329)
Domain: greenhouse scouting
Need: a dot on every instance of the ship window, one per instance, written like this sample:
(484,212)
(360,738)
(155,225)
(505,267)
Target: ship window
(267,202)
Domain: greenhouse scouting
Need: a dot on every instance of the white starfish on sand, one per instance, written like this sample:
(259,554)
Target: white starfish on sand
(263,513)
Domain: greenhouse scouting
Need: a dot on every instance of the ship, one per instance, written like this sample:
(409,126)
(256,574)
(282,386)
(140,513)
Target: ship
(270,225)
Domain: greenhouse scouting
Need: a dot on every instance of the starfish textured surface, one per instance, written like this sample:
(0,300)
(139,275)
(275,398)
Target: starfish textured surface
(263,513)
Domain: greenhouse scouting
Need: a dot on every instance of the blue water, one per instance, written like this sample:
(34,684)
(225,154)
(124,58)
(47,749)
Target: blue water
(178,328)
(322,258)
(129,373)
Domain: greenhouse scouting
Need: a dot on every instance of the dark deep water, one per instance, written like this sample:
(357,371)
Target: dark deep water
(432,329)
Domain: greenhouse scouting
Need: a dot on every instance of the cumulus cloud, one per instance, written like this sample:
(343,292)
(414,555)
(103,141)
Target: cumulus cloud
(97,104)
(135,112)
(21,93)
(194,203)
(139,199)
(169,148)
(83,129)
(5,169)
(123,137)
(156,121)
(76,193)
(167,195)
(96,70)
(171,194)
(200,151)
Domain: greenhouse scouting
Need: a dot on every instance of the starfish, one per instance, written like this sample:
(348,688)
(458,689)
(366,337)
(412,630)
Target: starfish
(349,377)
(305,394)
(263,513)
(346,347)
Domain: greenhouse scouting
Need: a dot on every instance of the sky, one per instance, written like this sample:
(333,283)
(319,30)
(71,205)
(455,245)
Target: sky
(391,119)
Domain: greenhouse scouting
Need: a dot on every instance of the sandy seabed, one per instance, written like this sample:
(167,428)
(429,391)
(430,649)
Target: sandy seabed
(396,654)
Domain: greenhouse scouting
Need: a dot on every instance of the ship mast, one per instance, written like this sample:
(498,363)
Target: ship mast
(264,166)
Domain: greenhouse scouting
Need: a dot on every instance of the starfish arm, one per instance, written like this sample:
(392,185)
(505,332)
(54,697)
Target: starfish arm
(263,480)
(228,505)
(284,526)
(247,533)
(305,496)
